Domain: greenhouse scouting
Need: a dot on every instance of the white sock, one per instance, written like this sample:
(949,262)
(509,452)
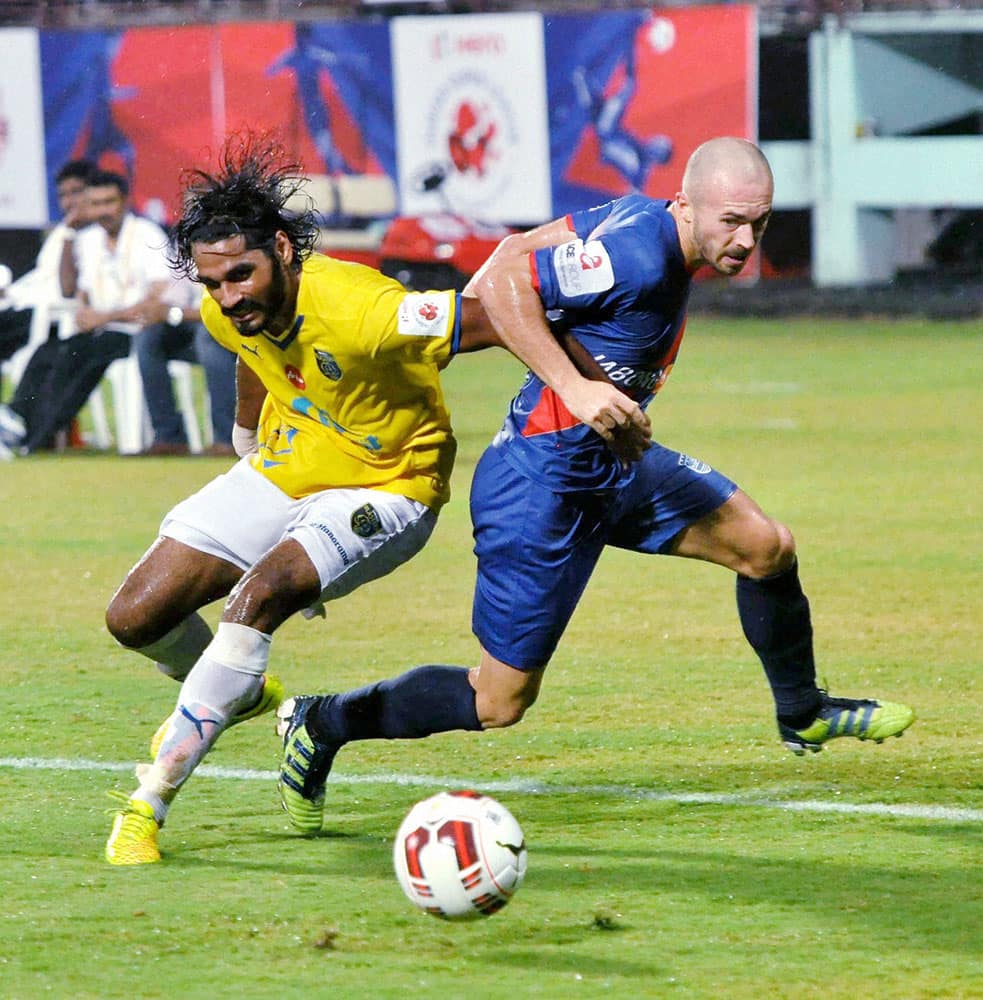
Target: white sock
(227,679)
(178,651)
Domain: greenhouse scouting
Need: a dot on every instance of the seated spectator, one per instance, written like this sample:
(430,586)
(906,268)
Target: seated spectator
(182,336)
(42,285)
(122,275)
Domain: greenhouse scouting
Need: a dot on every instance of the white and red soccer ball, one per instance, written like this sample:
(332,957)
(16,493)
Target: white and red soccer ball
(460,855)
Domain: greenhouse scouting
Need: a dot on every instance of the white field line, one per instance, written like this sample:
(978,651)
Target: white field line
(520,786)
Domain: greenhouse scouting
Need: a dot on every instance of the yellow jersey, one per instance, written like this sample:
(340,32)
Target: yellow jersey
(353,391)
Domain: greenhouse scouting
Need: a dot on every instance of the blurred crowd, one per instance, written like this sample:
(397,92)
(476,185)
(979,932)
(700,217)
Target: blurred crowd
(101,292)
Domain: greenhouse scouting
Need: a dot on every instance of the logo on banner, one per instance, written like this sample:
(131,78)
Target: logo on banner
(471,122)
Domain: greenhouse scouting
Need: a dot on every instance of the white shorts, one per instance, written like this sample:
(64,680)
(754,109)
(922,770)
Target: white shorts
(351,536)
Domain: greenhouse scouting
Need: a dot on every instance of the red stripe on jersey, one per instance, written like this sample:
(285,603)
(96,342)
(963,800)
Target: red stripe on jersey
(549,415)
(533,272)
(670,357)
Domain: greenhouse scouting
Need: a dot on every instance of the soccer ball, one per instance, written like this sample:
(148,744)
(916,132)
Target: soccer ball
(460,855)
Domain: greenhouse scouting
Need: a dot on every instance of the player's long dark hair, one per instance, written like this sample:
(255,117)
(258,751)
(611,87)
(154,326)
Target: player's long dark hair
(248,197)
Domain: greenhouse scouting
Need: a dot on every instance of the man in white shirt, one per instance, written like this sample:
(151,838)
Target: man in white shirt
(122,275)
(42,285)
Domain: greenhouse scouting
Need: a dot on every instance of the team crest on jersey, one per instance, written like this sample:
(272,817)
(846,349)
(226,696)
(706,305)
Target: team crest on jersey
(366,521)
(583,268)
(422,315)
(327,365)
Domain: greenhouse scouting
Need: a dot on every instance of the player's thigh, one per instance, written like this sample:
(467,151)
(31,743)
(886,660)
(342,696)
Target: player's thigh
(352,536)
(536,551)
(670,492)
(740,536)
(170,582)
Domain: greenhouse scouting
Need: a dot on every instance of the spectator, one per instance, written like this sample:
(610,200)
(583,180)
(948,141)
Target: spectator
(180,335)
(122,275)
(42,285)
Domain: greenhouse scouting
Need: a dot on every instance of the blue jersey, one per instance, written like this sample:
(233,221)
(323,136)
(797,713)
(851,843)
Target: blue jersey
(621,287)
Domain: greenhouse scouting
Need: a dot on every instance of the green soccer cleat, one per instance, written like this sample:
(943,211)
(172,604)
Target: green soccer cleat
(860,717)
(269,701)
(305,765)
(133,840)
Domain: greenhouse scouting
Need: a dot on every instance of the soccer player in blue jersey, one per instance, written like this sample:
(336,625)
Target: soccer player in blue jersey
(548,494)
(346,449)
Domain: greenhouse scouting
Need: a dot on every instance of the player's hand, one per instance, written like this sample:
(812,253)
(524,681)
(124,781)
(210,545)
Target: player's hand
(618,419)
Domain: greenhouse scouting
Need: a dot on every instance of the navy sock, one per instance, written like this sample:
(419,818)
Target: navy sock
(776,621)
(423,701)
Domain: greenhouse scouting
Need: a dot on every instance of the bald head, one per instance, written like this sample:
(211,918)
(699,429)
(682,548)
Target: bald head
(724,205)
(725,163)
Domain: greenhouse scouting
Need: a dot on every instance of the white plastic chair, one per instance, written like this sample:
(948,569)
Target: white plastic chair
(56,311)
(134,431)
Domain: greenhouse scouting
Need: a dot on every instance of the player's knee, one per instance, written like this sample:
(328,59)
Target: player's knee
(498,712)
(773,550)
(130,624)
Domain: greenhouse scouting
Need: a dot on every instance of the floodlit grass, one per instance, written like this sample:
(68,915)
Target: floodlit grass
(661,860)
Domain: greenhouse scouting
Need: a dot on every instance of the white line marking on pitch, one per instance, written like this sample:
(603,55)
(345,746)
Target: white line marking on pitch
(520,786)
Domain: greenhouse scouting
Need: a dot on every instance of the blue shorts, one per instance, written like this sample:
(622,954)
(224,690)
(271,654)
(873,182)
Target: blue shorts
(537,548)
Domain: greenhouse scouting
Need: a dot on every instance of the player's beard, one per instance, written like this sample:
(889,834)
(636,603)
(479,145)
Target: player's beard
(715,254)
(266,312)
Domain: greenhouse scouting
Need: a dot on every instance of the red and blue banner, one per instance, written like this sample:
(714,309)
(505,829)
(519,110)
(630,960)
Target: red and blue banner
(623,97)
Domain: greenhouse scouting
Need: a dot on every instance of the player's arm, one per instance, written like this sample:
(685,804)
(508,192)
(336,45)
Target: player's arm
(477,329)
(250,393)
(505,289)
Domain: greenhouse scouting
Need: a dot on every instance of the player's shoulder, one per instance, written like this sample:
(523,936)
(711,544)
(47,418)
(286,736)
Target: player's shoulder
(640,210)
(329,274)
(329,280)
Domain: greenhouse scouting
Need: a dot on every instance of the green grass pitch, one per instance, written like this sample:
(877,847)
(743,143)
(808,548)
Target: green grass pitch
(676,850)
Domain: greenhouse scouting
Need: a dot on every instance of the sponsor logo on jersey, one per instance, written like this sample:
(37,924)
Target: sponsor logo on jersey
(366,521)
(327,365)
(695,464)
(583,268)
(423,315)
(294,377)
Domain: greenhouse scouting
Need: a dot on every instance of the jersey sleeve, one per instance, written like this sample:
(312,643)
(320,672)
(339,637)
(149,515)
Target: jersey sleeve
(426,325)
(584,275)
(601,268)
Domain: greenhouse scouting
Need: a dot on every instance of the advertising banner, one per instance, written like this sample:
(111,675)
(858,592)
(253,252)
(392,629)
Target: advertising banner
(150,102)
(471,124)
(631,94)
(23,203)
(501,118)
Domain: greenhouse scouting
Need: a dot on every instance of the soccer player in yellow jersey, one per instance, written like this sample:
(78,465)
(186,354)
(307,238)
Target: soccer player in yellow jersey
(346,449)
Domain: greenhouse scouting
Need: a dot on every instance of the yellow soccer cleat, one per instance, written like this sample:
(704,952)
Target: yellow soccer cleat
(861,718)
(133,840)
(269,701)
